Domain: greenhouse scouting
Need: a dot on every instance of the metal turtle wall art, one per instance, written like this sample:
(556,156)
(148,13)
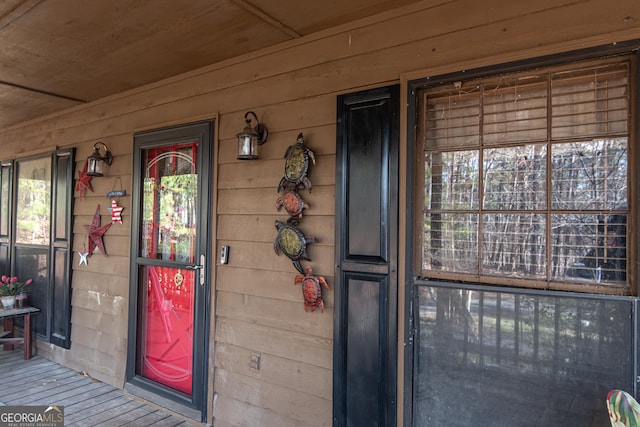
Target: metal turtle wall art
(290,240)
(296,165)
(293,243)
(311,289)
(293,203)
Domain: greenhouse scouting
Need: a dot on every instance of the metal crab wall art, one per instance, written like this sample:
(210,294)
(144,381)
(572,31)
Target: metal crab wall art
(296,165)
(293,203)
(293,243)
(311,289)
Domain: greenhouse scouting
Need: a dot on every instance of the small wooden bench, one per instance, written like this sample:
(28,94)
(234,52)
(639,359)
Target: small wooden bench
(8,338)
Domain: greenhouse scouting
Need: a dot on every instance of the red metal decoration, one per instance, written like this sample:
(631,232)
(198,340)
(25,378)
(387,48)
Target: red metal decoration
(293,203)
(116,212)
(311,289)
(96,232)
(83,184)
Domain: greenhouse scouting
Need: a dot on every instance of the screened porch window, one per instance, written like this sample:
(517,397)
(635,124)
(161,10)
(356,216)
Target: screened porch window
(527,178)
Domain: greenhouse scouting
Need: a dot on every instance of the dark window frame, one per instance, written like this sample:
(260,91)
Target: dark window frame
(624,284)
(413,282)
(55,318)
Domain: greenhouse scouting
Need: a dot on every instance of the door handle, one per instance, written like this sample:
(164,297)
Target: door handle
(203,259)
(200,266)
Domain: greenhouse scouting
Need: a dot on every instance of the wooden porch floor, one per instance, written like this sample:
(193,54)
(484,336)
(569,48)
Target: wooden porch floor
(87,401)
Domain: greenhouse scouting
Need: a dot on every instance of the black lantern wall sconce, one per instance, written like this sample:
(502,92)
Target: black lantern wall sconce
(251,137)
(95,161)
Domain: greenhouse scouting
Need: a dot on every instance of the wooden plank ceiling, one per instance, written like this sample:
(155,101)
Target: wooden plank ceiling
(55,54)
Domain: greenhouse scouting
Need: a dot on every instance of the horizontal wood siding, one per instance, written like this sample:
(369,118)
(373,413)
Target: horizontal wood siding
(292,88)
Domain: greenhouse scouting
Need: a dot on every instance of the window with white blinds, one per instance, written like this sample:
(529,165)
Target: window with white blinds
(527,178)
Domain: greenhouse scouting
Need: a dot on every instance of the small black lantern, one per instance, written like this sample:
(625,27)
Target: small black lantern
(95,160)
(250,138)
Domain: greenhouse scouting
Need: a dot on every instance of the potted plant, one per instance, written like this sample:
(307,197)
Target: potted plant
(9,288)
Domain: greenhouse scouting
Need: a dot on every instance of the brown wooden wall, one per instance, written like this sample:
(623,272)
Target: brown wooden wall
(292,88)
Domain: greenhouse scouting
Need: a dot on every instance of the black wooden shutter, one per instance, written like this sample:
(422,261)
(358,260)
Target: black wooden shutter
(61,248)
(365,328)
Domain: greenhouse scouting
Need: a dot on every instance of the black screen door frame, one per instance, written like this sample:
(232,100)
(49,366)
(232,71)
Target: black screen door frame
(193,406)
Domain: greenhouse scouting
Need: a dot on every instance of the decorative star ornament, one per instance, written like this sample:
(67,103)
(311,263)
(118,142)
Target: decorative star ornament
(116,212)
(96,232)
(83,255)
(83,184)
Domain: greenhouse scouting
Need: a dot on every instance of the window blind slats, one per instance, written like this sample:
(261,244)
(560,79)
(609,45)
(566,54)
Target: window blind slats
(526,176)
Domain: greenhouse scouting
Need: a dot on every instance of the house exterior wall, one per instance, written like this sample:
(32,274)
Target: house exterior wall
(292,88)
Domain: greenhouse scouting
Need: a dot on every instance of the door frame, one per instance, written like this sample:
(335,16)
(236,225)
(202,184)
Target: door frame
(194,407)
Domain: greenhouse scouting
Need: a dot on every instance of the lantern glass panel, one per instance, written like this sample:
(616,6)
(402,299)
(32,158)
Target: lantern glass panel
(247,146)
(94,167)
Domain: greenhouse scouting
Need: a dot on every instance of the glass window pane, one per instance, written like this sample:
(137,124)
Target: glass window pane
(514,245)
(591,101)
(452,120)
(451,180)
(515,111)
(590,175)
(546,169)
(515,178)
(589,248)
(33,210)
(450,242)
(170,204)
